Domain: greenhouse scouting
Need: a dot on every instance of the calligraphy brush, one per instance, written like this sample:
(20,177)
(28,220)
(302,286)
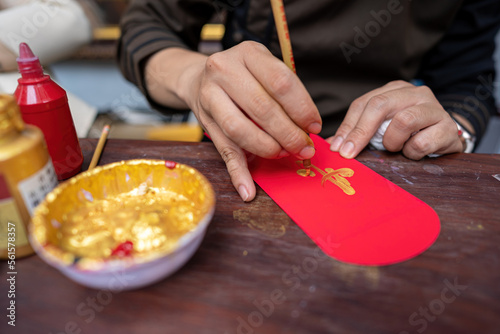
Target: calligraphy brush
(286,48)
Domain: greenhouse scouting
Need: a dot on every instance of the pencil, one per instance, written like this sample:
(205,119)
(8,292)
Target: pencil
(286,48)
(100,146)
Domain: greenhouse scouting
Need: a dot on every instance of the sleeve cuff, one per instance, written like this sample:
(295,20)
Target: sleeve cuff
(469,107)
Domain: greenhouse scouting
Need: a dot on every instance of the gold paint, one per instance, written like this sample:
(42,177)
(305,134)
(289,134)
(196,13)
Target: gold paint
(350,274)
(478,227)
(263,217)
(141,201)
(337,177)
(245,253)
(303,172)
(153,220)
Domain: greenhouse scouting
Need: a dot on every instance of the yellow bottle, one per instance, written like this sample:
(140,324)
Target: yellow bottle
(26,176)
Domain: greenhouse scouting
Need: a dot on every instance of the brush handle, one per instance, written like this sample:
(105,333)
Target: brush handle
(283,35)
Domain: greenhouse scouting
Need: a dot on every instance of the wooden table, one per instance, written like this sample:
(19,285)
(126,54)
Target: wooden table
(257,272)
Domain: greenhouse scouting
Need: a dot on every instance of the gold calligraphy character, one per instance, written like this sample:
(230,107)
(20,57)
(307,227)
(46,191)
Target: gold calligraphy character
(336,177)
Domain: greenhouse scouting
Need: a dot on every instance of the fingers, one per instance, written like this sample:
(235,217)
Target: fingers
(409,121)
(412,109)
(441,138)
(249,101)
(280,83)
(270,94)
(357,109)
(235,161)
(361,126)
(233,124)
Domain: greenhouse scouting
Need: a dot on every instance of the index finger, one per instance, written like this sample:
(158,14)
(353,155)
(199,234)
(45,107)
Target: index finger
(286,89)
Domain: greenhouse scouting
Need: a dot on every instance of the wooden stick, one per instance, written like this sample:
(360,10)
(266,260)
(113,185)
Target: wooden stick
(286,48)
(100,146)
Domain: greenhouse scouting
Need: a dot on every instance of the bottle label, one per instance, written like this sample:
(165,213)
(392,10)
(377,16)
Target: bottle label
(12,230)
(34,188)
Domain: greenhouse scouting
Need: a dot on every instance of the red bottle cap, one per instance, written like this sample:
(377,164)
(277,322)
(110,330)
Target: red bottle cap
(29,64)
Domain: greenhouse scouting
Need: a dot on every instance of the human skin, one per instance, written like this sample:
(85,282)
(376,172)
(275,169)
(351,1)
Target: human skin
(249,101)
(420,126)
(7,59)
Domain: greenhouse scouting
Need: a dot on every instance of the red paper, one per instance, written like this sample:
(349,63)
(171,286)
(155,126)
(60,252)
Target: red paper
(352,213)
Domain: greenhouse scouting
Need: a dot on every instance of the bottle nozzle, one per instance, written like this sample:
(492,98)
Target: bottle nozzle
(28,63)
(25,52)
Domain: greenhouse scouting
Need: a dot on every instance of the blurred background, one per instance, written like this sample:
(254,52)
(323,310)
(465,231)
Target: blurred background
(100,95)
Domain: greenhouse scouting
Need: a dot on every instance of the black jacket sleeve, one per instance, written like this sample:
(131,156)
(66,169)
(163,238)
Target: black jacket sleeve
(460,69)
(149,26)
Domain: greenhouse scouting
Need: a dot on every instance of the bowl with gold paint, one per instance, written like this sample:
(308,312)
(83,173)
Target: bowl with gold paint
(124,225)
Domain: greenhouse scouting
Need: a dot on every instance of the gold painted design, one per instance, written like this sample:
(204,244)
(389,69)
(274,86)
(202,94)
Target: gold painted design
(335,176)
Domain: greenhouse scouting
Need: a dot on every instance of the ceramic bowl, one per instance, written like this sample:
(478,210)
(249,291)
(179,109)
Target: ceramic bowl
(124,225)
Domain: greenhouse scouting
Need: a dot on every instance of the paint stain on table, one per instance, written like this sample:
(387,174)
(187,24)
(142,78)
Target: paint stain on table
(433,169)
(264,223)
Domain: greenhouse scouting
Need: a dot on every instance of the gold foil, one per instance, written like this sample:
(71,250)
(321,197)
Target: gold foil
(139,201)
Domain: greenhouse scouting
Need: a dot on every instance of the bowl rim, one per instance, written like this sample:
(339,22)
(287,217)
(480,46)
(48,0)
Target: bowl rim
(97,265)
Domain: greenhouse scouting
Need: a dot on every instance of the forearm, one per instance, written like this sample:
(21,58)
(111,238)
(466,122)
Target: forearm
(151,30)
(170,76)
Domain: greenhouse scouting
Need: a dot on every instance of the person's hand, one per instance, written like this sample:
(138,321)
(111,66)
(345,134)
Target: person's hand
(247,100)
(420,126)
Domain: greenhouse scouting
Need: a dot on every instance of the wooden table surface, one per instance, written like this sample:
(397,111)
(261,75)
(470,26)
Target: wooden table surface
(257,272)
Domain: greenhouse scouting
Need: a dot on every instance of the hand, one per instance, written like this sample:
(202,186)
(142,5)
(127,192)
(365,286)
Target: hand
(420,126)
(249,101)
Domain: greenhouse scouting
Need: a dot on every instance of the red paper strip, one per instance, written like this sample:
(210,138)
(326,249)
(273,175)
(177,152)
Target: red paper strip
(352,213)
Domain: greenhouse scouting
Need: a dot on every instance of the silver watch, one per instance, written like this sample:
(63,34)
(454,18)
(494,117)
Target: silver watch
(468,140)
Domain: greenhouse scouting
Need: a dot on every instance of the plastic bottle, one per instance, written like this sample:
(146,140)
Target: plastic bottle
(44,103)
(26,176)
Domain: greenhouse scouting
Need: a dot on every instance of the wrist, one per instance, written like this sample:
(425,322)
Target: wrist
(169,74)
(189,80)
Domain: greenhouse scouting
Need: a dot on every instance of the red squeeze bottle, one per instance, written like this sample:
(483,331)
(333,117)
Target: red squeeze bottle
(44,103)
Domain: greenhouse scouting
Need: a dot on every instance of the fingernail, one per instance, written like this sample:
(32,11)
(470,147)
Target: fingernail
(283,154)
(314,128)
(307,152)
(242,190)
(336,143)
(347,150)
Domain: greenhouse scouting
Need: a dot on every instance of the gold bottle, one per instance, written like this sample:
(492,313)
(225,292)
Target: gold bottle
(26,176)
